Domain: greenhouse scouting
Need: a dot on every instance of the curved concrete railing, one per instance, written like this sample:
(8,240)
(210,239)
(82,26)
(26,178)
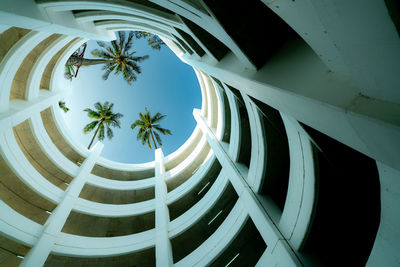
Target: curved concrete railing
(296,218)
(258,150)
(13,60)
(18,227)
(219,240)
(285,234)
(195,213)
(80,246)
(33,82)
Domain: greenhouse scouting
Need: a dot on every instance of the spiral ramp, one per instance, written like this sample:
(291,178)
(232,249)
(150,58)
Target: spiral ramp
(295,159)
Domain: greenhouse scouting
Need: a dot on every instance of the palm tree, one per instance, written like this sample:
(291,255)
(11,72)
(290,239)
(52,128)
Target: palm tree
(61,104)
(153,40)
(69,71)
(120,60)
(115,57)
(104,119)
(149,128)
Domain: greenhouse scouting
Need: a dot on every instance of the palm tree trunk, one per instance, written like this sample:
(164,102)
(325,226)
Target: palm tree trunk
(79,61)
(152,137)
(91,142)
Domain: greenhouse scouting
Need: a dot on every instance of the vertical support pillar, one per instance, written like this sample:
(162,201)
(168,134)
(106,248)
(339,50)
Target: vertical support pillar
(20,110)
(163,245)
(52,228)
(278,248)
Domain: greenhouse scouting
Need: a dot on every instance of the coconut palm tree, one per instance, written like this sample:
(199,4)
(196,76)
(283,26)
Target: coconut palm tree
(153,40)
(149,128)
(61,104)
(115,57)
(105,118)
(69,71)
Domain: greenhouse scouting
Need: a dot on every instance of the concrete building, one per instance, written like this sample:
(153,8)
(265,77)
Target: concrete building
(295,159)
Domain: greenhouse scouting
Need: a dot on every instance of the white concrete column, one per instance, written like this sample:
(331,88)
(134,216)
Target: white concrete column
(52,228)
(12,60)
(163,245)
(48,16)
(262,220)
(301,86)
(20,110)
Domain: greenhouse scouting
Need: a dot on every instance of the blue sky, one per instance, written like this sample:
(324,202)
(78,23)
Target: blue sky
(165,85)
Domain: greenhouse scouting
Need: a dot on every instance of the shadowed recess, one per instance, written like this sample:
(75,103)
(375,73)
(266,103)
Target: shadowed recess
(87,225)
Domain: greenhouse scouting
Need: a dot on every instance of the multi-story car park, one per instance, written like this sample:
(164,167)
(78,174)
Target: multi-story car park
(295,159)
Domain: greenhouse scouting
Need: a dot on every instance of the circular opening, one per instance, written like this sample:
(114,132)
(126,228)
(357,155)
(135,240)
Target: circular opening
(165,84)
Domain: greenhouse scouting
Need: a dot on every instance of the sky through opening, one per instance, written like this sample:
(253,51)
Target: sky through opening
(166,85)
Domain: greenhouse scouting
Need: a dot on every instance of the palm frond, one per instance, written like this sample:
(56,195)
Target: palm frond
(101,44)
(110,133)
(116,116)
(139,59)
(162,130)
(128,75)
(115,47)
(121,35)
(158,139)
(145,137)
(90,126)
(101,53)
(109,68)
(115,123)
(135,67)
(92,114)
(129,42)
(137,123)
(142,117)
(140,133)
(101,132)
(106,106)
(109,106)
(106,47)
(157,117)
(98,106)
(69,72)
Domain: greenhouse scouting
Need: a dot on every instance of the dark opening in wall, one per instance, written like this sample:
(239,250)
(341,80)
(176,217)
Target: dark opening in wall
(190,199)
(120,175)
(182,43)
(58,139)
(276,175)
(22,198)
(110,196)
(96,226)
(245,131)
(255,28)
(218,49)
(146,257)
(193,44)
(393,7)
(188,241)
(11,252)
(245,250)
(347,212)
